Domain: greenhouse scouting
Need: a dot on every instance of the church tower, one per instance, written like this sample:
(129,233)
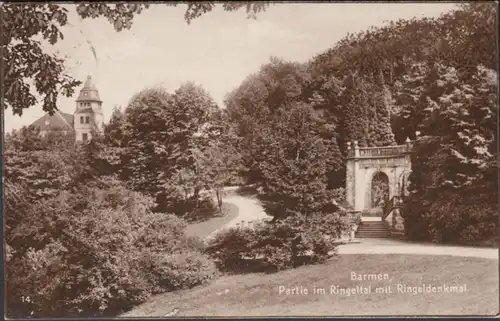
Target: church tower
(88,114)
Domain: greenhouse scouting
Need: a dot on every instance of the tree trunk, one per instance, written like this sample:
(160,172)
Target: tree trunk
(294,248)
(219,198)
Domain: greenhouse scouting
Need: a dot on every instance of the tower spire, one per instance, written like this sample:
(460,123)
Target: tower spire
(89,92)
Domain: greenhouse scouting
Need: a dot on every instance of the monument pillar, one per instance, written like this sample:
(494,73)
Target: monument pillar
(350,176)
(359,184)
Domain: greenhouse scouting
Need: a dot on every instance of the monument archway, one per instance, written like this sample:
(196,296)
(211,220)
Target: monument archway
(379,189)
(364,164)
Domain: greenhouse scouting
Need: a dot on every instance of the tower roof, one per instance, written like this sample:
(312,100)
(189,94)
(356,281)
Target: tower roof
(58,121)
(89,91)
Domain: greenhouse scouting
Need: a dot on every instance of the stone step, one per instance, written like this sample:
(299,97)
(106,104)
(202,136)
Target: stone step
(373,236)
(372,232)
(373,229)
(387,237)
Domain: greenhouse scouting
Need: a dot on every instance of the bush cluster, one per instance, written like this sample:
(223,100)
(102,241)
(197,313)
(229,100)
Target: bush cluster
(98,252)
(279,245)
(452,217)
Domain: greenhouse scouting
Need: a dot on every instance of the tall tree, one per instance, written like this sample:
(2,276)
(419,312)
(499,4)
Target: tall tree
(382,105)
(194,110)
(410,98)
(456,162)
(465,117)
(43,165)
(295,169)
(160,133)
(355,114)
(252,105)
(114,129)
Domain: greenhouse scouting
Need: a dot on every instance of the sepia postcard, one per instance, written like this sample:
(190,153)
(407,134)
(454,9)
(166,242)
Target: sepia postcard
(250,159)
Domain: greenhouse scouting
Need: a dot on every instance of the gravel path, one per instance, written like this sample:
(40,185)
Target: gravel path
(388,246)
(250,209)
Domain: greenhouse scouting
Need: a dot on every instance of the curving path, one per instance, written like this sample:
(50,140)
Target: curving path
(250,209)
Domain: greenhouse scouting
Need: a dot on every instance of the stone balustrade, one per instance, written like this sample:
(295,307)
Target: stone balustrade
(354,151)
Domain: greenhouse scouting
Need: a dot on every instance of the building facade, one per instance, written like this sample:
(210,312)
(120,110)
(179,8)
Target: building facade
(87,118)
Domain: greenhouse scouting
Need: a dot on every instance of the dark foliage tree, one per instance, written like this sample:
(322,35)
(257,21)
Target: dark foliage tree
(159,137)
(255,102)
(456,162)
(43,165)
(295,170)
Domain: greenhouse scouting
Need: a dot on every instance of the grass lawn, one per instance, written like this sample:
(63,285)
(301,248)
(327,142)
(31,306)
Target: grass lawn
(258,294)
(203,229)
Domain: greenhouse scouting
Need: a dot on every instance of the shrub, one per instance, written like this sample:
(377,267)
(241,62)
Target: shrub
(463,219)
(184,270)
(229,247)
(452,217)
(98,252)
(200,210)
(278,245)
(193,207)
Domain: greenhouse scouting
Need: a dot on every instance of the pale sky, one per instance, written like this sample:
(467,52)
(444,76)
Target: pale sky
(217,51)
